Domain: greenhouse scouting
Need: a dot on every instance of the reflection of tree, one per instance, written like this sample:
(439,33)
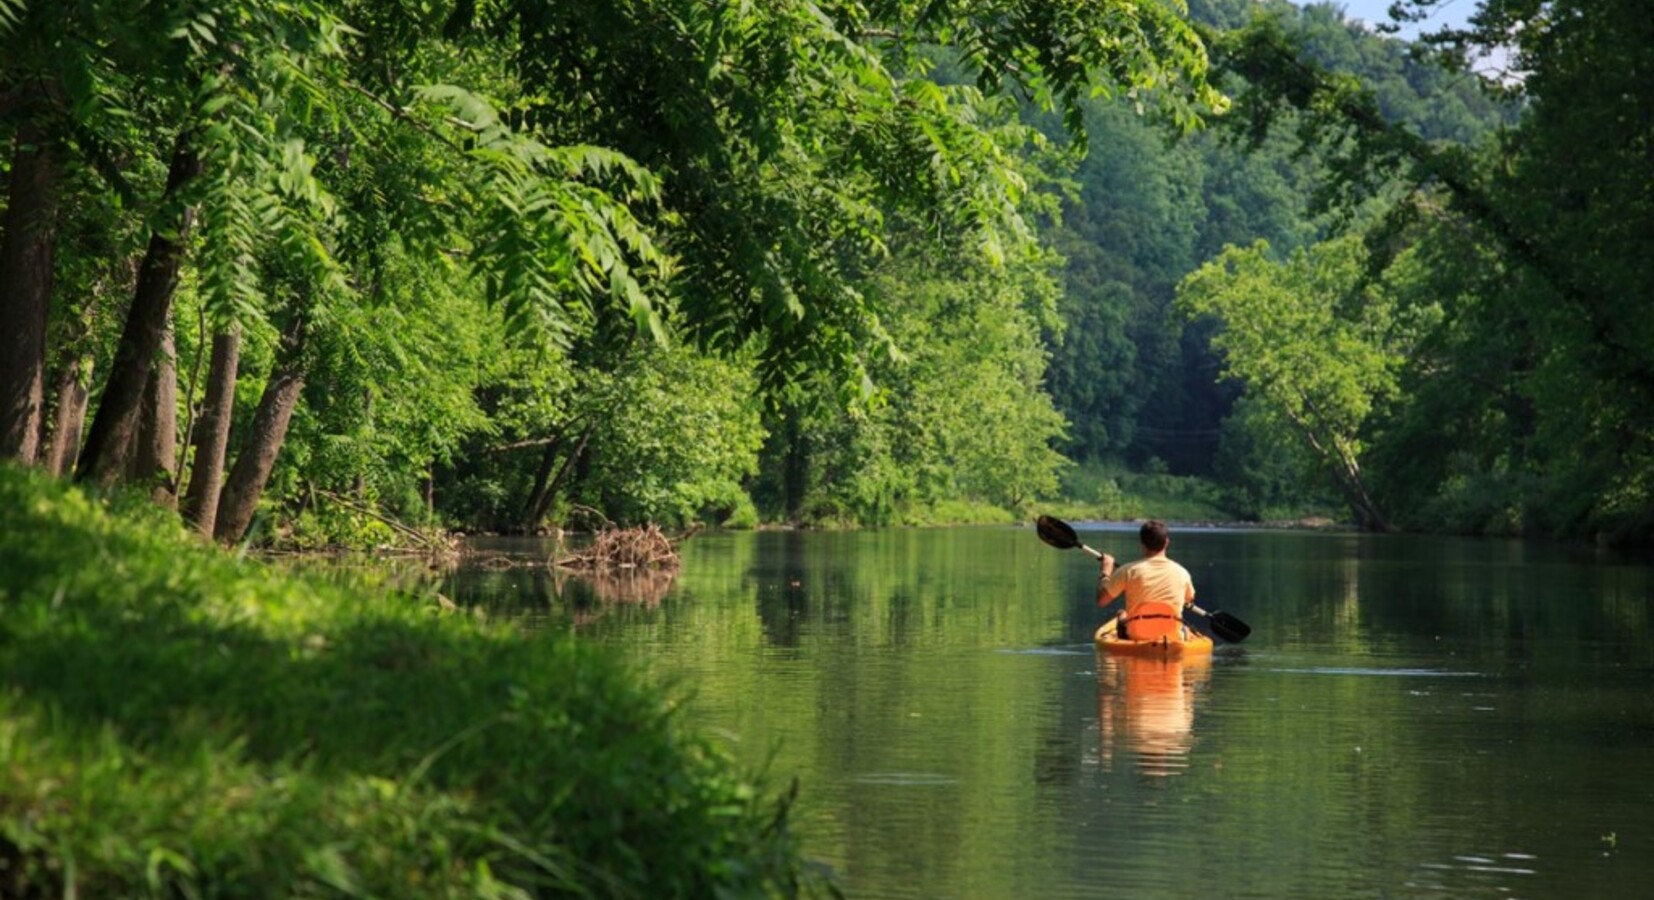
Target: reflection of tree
(638,586)
(782,613)
(587,597)
(783,602)
(514,578)
(1148,706)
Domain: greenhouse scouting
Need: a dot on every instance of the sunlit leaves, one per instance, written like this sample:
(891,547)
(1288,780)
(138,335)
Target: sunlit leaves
(676,432)
(556,234)
(961,413)
(1064,51)
(260,195)
(1310,337)
(792,137)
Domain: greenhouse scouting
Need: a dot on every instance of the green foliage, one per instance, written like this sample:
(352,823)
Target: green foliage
(1315,342)
(1109,491)
(728,174)
(1538,374)
(788,135)
(555,229)
(1134,379)
(659,434)
(962,512)
(959,415)
(230,730)
(1265,473)
(738,511)
(675,435)
(390,389)
(1143,52)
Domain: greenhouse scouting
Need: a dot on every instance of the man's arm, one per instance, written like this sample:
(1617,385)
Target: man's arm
(1106,589)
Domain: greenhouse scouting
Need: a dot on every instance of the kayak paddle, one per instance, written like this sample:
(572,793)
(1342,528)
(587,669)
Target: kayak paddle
(1061,535)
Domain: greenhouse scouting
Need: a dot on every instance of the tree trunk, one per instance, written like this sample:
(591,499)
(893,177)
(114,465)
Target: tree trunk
(74,388)
(71,388)
(543,504)
(110,443)
(264,438)
(795,471)
(532,510)
(25,292)
(212,433)
(155,455)
(1346,472)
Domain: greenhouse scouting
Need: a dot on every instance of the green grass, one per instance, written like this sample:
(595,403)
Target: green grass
(960,512)
(175,722)
(1100,492)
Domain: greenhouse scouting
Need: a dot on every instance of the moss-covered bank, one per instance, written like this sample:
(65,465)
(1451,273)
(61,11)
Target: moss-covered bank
(178,722)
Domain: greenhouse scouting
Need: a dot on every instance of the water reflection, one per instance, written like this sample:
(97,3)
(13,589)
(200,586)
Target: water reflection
(639,586)
(519,581)
(1413,716)
(1146,707)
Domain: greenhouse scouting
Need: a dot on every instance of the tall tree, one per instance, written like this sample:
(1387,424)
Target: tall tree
(241,492)
(1314,340)
(155,454)
(26,246)
(114,434)
(212,431)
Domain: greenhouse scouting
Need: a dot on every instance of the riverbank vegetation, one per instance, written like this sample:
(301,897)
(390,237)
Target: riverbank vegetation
(493,265)
(178,722)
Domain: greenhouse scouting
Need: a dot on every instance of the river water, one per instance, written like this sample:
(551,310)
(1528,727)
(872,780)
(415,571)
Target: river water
(1410,717)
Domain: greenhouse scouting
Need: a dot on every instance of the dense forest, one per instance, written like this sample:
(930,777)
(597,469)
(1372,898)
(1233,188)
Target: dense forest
(344,271)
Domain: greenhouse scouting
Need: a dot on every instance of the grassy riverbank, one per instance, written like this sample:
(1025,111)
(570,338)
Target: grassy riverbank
(1116,494)
(178,722)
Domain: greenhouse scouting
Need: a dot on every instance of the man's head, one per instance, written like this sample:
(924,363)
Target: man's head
(1153,535)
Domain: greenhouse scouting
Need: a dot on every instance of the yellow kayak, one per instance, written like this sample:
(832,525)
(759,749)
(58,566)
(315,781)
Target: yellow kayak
(1168,646)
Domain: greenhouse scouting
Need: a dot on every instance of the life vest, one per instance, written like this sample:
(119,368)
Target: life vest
(1152,620)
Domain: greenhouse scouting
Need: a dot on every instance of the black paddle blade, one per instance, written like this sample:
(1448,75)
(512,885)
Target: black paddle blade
(1057,533)
(1228,627)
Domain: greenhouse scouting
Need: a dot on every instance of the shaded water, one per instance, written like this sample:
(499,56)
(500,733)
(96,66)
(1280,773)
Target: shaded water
(1411,716)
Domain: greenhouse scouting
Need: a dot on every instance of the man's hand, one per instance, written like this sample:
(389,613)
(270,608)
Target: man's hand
(1107,563)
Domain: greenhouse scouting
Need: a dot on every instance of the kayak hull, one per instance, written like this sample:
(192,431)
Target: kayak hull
(1168,647)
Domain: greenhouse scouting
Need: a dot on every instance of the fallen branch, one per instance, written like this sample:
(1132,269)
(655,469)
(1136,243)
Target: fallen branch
(645,547)
(428,541)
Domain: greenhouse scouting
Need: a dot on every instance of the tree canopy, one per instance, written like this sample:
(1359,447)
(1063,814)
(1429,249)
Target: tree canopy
(479,261)
(353,188)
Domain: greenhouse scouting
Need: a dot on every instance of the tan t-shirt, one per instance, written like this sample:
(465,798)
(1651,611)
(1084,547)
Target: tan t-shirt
(1153,580)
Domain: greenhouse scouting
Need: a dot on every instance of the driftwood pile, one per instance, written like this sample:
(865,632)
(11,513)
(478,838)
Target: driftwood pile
(617,549)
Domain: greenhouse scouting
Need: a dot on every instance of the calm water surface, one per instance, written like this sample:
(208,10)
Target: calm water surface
(1411,716)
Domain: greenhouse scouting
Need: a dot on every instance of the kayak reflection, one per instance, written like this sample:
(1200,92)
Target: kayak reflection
(1146,708)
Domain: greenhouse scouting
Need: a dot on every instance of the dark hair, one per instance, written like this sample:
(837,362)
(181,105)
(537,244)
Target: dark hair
(1153,535)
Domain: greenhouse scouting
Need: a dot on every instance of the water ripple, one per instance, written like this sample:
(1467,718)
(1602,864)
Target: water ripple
(906,779)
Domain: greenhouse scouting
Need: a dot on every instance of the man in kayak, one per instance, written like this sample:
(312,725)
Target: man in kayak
(1153,579)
